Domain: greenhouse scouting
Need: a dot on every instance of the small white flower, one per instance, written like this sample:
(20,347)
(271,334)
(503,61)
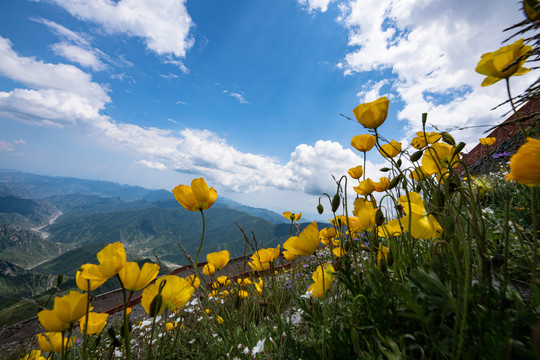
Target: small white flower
(191,341)
(307,295)
(259,347)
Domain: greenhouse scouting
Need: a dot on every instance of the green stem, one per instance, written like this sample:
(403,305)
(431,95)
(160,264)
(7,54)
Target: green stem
(514,106)
(200,245)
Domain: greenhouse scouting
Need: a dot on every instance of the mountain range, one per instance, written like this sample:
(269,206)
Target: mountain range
(52,225)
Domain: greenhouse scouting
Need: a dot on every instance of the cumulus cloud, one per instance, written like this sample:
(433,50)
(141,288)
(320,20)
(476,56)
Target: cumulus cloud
(163,24)
(85,57)
(59,93)
(311,5)
(63,95)
(431,48)
(152,164)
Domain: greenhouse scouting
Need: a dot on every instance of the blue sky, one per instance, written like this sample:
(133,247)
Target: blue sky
(245,93)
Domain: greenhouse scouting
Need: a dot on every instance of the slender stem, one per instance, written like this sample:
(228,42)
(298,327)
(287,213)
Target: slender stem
(534,237)
(85,330)
(200,245)
(514,106)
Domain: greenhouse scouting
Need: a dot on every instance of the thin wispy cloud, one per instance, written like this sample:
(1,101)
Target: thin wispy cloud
(169,76)
(240,97)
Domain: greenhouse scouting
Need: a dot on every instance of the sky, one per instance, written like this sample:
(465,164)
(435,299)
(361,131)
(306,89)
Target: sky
(247,94)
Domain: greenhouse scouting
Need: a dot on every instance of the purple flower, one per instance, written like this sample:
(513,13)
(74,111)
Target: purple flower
(500,155)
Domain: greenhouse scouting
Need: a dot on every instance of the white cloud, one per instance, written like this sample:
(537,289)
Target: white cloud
(240,97)
(311,5)
(59,95)
(431,48)
(169,76)
(63,32)
(8,146)
(77,54)
(152,164)
(163,24)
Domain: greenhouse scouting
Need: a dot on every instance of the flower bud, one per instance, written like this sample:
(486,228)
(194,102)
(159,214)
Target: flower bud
(394,182)
(416,155)
(458,148)
(385,169)
(447,138)
(335,202)
(320,209)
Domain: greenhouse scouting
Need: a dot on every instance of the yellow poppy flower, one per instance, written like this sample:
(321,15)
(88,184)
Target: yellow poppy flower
(365,187)
(422,225)
(487,141)
(382,185)
(208,269)
(171,325)
(83,284)
(322,280)
(364,211)
(258,265)
(292,216)
(327,234)
(356,172)
(289,255)
(52,341)
(33,355)
(382,253)
(338,252)
(363,142)
(438,158)
(390,150)
(423,139)
(112,259)
(418,174)
(220,320)
(193,281)
(66,311)
(525,164)
(196,197)
(244,282)
(218,259)
(96,322)
(134,278)
(175,294)
(391,228)
(306,243)
(372,114)
(496,65)
(243,294)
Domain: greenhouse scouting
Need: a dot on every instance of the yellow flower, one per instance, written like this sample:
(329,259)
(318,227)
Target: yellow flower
(262,258)
(289,255)
(418,174)
(82,283)
(525,164)
(322,280)
(422,139)
(220,320)
(365,187)
(390,150)
(52,341)
(193,281)
(175,294)
(259,286)
(244,282)
(338,252)
(171,325)
(33,355)
(498,65)
(383,252)
(327,234)
(128,311)
(66,311)
(292,216)
(372,114)
(208,311)
(111,260)
(306,243)
(382,185)
(243,294)
(363,142)
(196,197)
(487,141)
(134,278)
(391,228)
(438,158)
(223,280)
(422,225)
(96,322)
(364,211)
(208,269)
(356,172)
(218,259)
